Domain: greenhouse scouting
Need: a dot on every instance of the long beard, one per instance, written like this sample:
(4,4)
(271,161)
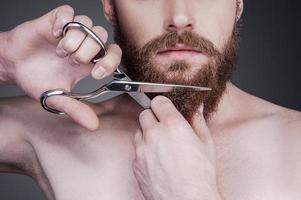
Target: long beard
(140,67)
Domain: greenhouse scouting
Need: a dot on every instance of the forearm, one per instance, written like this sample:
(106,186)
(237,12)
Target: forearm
(15,151)
(4,64)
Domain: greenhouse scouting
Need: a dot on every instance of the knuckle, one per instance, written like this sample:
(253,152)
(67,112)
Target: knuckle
(172,121)
(110,65)
(101,32)
(117,50)
(66,8)
(69,44)
(160,102)
(84,19)
(116,56)
(151,135)
(139,152)
(81,57)
(144,113)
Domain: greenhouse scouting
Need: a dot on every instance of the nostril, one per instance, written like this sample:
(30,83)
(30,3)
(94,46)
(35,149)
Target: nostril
(173,27)
(189,26)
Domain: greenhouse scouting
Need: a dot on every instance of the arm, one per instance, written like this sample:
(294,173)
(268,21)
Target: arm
(4,77)
(15,152)
(36,57)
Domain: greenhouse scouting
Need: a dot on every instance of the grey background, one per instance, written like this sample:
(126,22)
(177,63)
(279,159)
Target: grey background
(268,66)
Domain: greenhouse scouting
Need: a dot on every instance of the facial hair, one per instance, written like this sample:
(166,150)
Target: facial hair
(139,66)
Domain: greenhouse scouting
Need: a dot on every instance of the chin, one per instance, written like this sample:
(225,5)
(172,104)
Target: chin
(178,77)
(179,72)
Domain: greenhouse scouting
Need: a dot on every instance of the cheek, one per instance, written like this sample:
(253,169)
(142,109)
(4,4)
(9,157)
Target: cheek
(215,20)
(220,19)
(140,23)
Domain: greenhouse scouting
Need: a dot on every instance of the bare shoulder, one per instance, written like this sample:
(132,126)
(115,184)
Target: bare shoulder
(289,119)
(18,105)
(278,118)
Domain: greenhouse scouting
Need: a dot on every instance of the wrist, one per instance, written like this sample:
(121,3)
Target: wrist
(4,64)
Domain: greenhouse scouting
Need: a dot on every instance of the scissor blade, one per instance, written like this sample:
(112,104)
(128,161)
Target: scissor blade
(141,98)
(132,86)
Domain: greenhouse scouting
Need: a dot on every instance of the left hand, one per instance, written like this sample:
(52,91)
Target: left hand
(173,159)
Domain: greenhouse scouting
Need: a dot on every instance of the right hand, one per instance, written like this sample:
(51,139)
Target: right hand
(40,60)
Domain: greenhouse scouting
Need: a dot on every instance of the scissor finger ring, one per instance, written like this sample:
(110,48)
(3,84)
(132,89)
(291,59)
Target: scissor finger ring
(62,92)
(88,31)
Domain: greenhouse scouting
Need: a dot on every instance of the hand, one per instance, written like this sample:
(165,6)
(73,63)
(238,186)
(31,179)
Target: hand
(174,160)
(39,59)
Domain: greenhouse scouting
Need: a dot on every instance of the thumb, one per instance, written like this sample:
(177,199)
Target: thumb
(50,26)
(77,110)
(200,127)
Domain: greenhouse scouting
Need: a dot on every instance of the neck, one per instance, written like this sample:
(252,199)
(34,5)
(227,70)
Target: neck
(230,106)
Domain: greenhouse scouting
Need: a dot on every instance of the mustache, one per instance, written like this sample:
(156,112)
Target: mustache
(171,39)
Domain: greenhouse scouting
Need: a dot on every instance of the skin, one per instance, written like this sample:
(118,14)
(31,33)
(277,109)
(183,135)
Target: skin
(134,154)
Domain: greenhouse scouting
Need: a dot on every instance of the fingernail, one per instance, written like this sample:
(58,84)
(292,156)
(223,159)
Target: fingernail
(99,73)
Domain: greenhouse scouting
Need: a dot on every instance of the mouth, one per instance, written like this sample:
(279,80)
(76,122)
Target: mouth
(179,52)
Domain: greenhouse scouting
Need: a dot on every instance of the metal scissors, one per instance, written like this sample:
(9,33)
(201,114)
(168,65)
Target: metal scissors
(121,82)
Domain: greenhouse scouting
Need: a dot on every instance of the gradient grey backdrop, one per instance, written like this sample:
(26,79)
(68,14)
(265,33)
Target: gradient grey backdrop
(269,59)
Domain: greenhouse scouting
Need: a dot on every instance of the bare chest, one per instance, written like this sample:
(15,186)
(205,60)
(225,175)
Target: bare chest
(80,165)
(77,164)
(258,163)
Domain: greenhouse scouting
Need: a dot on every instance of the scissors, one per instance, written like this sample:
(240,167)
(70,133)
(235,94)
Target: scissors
(120,83)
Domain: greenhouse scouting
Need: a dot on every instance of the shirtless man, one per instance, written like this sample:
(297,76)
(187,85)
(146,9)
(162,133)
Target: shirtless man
(225,144)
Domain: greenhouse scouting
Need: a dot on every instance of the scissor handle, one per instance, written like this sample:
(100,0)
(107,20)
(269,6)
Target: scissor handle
(49,93)
(62,92)
(103,51)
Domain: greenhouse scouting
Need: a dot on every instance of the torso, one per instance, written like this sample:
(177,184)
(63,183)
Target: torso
(79,164)
(260,159)
(256,159)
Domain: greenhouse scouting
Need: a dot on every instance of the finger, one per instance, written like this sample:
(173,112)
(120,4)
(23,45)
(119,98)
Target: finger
(164,109)
(74,38)
(90,48)
(109,63)
(200,127)
(138,138)
(147,120)
(62,15)
(78,111)
(50,25)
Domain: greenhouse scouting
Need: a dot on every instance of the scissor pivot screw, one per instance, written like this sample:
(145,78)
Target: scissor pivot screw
(127,87)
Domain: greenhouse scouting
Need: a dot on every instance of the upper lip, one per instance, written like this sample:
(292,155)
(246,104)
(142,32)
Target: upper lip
(179,47)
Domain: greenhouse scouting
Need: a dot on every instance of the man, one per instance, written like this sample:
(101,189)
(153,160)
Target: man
(225,144)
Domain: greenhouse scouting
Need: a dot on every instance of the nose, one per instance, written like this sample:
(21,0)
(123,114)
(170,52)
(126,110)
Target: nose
(178,16)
